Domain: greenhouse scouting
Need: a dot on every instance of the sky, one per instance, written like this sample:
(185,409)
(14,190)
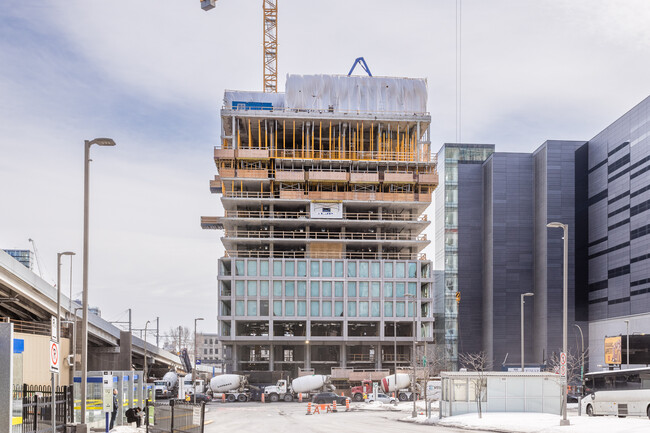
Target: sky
(151,75)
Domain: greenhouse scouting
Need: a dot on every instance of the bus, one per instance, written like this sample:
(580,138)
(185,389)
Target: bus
(617,392)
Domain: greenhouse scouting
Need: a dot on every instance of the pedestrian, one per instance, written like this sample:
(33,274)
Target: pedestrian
(114,413)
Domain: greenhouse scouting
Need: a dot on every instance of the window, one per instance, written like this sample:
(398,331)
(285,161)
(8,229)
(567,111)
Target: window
(277,268)
(338,289)
(302,268)
(239,308)
(352,288)
(302,308)
(277,308)
(239,267)
(302,288)
(314,289)
(352,309)
(327,289)
(374,309)
(205,341)
(264,308)
(399,309)
(239,288)
(277,289)
(327,308)
(252,268)
(460,390)
(205,352)
(264,288)
(363,269)
(412,287)
(211,341)
(363,309)
(352,269)
(289,268)
(338,269)
(374,270)
(388,309)
(289,308)
(252,288)
(374,291)
(413,270)
(252,308)
(388,269)
(327,269)
(410,308)
(399,290)
(338,308)
(399,270)
(388,290)
(314,309)
(363,289)
(289,288)
(314,268)
(211,351)
(264,268)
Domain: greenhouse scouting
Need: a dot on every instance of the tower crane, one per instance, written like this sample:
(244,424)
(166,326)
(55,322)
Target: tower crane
(270,42)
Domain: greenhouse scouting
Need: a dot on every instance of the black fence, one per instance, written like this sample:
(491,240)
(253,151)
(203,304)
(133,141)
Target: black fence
(32,408)
(176,416)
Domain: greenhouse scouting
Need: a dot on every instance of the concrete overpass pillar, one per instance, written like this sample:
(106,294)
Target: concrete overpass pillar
(126,351)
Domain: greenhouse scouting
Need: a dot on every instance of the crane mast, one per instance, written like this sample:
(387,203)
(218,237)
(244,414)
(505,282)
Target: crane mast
(270,31)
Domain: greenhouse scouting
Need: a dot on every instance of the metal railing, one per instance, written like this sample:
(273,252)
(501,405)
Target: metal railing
(352,255)
(176,416)
(36,328)
(332,195)
(326,235)
(32,408)
(357,216)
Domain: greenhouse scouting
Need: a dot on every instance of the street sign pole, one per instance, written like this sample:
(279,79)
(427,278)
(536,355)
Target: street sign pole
(54,366)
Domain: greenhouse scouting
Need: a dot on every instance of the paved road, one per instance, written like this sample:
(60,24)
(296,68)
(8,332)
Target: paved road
(280,417)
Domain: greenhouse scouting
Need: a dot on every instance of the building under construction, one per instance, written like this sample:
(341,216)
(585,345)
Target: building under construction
(323,189)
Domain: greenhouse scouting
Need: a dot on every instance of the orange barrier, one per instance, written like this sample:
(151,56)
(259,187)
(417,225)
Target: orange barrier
(347,405)
(223,398)
(334,406)
(300,397)
(309,408)
(316,410)
(263,400)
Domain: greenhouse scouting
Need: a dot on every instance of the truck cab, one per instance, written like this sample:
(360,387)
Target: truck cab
(278,392)
(357,392)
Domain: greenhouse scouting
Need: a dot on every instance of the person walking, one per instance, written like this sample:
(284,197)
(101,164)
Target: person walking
(114,413)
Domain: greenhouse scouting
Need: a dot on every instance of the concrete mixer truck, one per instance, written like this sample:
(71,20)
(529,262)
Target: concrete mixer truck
(400,384)
(233,386)
(304,385)
(167,387)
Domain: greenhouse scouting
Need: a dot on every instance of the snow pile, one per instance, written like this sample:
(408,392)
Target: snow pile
(520,422)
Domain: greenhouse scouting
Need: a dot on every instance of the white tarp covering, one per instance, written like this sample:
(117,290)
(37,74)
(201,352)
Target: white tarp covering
(354,93)
(277,99)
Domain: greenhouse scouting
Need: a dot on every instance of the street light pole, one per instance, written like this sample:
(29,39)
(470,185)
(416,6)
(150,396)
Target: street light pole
(55,376)
(523,295)
(84,320)
(565,228)
(145,355)
(194,369)
(627,349)
(413,360)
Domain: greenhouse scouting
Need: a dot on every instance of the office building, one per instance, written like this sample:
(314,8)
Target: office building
(25,257)
(324,189)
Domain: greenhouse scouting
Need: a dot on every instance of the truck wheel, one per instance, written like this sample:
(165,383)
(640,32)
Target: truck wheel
(590,410)
(358,397)
(242,398)
(403,397)
(231,398)
(648,411)
(288,398)
(274,398)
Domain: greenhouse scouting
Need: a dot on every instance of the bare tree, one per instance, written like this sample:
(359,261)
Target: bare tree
(479,363)
(177,338)
(438,359)
(574,365)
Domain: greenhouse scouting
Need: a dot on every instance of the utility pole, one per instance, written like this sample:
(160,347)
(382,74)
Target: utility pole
(157,331)
(129,320)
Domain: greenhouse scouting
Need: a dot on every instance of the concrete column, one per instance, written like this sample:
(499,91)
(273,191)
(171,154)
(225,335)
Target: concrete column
(6,377)
(271,357)
(126,351)
(378,357)
(344,356)
(235,357)
(307,356)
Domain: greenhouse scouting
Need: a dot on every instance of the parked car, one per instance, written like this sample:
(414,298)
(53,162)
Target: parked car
(200,397)
(386,399)
(328,398)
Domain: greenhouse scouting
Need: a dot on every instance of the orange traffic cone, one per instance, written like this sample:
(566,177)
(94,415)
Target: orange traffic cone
(223,398)
(309,408)
(334,406)
(347,405)
(263,400)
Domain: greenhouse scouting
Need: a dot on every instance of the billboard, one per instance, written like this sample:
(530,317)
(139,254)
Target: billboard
(326,209)
(613,351)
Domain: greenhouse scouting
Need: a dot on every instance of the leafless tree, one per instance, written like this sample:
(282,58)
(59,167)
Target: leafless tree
(574,364)
(177,338)
(479,363)
(438,359)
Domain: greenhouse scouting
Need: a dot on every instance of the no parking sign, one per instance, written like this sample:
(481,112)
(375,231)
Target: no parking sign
(54,356)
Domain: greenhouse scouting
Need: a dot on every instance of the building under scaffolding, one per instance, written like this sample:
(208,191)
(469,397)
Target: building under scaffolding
(324,189)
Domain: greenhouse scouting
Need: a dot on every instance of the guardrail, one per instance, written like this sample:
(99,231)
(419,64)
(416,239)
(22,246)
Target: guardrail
(352,255)
(357,216)
(327,235)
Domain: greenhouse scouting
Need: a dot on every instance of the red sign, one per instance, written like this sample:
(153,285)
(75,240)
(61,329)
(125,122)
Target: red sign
(54,356)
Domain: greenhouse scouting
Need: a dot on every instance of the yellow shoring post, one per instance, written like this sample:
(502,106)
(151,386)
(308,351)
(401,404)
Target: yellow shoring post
(232,186)
(250,137)
(302,149)
(276,134)
(294,138)
(329,140)
(372,143)
(320,139)
(398,147)
(266,136)
(284,141)
(361,143)
(339,143)
(259,133)
(238,137)
(313,140)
